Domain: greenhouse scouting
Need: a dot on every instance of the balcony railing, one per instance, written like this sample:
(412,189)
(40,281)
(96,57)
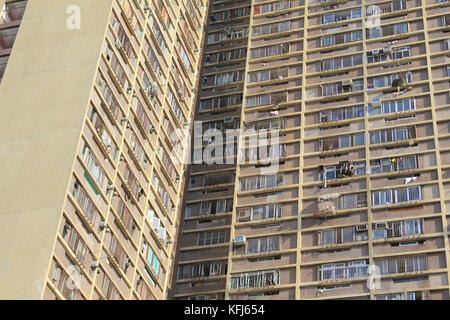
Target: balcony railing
(85,203)
(343,272)
(12,12)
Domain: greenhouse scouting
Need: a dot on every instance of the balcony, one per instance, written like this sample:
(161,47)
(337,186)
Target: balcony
(387,9)
(12,12)
(91,214)
(2,67)
(255,280)
(326,205)
(103,138)
(341,271)
(95,174)
(132,185)
(341,16)
(111,104)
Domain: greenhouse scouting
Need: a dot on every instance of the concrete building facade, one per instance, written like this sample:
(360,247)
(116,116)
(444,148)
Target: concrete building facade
(96,97)
(336,185)
(357,93)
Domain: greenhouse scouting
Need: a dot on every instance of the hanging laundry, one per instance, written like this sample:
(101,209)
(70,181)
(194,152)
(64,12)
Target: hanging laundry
(408,180)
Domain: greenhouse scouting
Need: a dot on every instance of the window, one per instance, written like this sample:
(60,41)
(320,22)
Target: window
(269,51)
(355,13)
(341,62)
(153,261)
(445,20)
(272,28)
(403,264)
(162,192)
(271,7)
(393,296)
(159,37)
(85,203)
(398,5)
(340,114)
(402,52)
(382,197)
(344,270)
(447,44)
(272,98)
(268,211)
(328,41)
(330,89)
(263,244)
(206,269)
(400,134)
(12,11)
(379,234)
(205,208)
(221,206)
(401,28)
(260,182)
(255,279)
(410,227)
(375,33)
(355,36)
(184,57)
(399,195)
(94,167)
(270,74)
(349,201)
(333,143)
(328,237)
(344,142)
(393,106)
(396,134)
(341,235)
(188,212)
(358,139)
(211,237)
(394,164)
(227,78)
(328,18)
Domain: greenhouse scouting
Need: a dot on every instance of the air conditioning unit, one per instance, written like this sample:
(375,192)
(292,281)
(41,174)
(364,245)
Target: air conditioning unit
(346,83)
(150,215)
(156,223)
(375,52)
(239,240)
(162,234)
(387,49)
(362,227)
(381,225)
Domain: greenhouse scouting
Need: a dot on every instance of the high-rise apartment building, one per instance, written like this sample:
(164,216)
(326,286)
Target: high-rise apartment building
(10,18)
(357,93)
(336,183)
(96,100)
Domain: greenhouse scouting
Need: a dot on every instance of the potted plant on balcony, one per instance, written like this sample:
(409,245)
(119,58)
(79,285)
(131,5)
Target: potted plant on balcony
(398,83)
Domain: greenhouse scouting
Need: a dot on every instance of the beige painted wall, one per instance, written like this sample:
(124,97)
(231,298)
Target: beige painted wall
(43,100)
